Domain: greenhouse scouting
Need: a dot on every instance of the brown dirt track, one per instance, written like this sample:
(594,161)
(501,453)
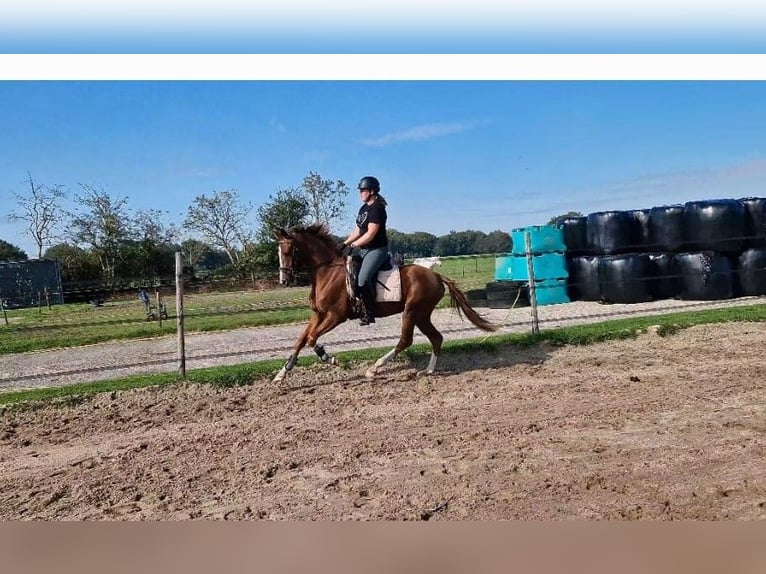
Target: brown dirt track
(654,428)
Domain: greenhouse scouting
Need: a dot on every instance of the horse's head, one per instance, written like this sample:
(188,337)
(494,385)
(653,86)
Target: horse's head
(287,252)
(304,247)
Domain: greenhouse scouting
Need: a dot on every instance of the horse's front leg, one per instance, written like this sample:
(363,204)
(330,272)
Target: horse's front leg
(300,343)
(328,323)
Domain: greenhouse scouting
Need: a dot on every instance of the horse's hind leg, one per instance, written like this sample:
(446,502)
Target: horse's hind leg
(405,340)
(435,337)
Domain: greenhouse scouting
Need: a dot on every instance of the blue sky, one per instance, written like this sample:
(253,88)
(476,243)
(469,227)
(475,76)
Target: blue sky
(394,26)
(450,155)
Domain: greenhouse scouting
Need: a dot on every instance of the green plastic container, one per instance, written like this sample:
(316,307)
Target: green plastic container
(544,239)
(503,268)
(544,266)
(551,292)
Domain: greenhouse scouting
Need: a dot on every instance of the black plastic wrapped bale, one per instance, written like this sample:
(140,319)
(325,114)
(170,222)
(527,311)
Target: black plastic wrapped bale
(666,228)
(575,231)
(714,225)
(625,278)
(703,276)
(751,268)
(641,218)
(755,221)
(582,283)
(612,232)
(662,284)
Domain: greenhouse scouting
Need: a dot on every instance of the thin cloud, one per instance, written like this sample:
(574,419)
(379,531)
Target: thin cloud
(420,133)
(641,192)
(277,125)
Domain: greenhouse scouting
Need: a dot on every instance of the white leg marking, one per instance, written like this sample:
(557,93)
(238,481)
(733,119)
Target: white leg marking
(432,364)
(280,375)
(372,371)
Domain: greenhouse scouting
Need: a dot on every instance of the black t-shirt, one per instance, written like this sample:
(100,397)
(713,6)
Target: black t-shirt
(375,213)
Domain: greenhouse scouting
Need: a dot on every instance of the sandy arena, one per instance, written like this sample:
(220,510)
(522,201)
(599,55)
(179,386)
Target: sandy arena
(653,428)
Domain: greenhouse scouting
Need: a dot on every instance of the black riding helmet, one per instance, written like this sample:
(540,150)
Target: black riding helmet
(371,183)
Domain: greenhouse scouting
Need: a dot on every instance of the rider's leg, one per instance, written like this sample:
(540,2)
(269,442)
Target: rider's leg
(368,272)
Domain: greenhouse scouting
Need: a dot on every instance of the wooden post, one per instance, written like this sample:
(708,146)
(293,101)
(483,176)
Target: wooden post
(159,310)
(47,298)
(531,277)
(180,313)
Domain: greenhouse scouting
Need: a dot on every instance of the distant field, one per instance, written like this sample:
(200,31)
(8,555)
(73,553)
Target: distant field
(471,272)
(81,323)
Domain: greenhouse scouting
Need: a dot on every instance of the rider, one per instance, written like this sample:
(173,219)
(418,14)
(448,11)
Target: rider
(370,236)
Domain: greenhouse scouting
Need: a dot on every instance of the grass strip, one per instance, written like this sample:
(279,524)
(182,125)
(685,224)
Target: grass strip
(248,373)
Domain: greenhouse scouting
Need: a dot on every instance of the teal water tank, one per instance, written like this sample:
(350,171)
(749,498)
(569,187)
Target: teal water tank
(503,268)
(544,239)
(551,291)
(544,266)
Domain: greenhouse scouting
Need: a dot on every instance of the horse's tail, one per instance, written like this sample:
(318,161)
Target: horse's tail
(459,302)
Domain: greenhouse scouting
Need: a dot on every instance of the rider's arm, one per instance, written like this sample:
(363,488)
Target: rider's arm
(372,229)
(354,235)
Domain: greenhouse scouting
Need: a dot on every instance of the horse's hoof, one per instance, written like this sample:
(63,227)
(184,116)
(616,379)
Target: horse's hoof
(334,361)
(424,373)
(370,373)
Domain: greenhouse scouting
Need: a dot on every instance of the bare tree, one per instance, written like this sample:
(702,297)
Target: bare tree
(326,199)
(193,251)
(40,209)
(221,220)
(151,225)
(102,224)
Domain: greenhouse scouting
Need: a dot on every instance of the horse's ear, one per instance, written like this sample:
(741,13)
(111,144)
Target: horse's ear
(280,233)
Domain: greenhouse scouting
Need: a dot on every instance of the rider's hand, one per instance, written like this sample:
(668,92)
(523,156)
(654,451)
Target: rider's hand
(345,249)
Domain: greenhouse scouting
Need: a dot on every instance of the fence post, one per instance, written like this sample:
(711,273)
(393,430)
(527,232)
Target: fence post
(180,313)
(531,276)
(159,308)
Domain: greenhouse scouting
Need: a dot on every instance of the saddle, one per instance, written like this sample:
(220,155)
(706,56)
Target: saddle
(388,284)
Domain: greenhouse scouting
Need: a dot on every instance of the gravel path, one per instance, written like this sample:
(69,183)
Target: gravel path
(112,360)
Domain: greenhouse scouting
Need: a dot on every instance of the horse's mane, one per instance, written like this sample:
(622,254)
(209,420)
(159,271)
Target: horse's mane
(317,231)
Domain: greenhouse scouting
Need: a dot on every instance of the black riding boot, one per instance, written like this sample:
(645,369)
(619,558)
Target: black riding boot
(368,300)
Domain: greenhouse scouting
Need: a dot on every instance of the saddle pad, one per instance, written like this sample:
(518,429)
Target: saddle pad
(389,285)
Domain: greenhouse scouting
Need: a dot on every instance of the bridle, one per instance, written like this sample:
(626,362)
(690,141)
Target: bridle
(292,254)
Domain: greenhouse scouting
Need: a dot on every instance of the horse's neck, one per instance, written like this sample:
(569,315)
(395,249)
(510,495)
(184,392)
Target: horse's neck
(317,259)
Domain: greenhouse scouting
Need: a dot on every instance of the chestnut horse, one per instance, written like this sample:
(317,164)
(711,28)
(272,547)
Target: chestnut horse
(311,248)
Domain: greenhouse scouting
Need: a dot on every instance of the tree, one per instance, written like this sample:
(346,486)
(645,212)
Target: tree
(9,252)
(286,209)
(221,220)
(75,263)
(422,244)
(102,224)
(326,199)
(496,242)
(459,243)
(555,220)
(39,208)
(193,251)
(151,253)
